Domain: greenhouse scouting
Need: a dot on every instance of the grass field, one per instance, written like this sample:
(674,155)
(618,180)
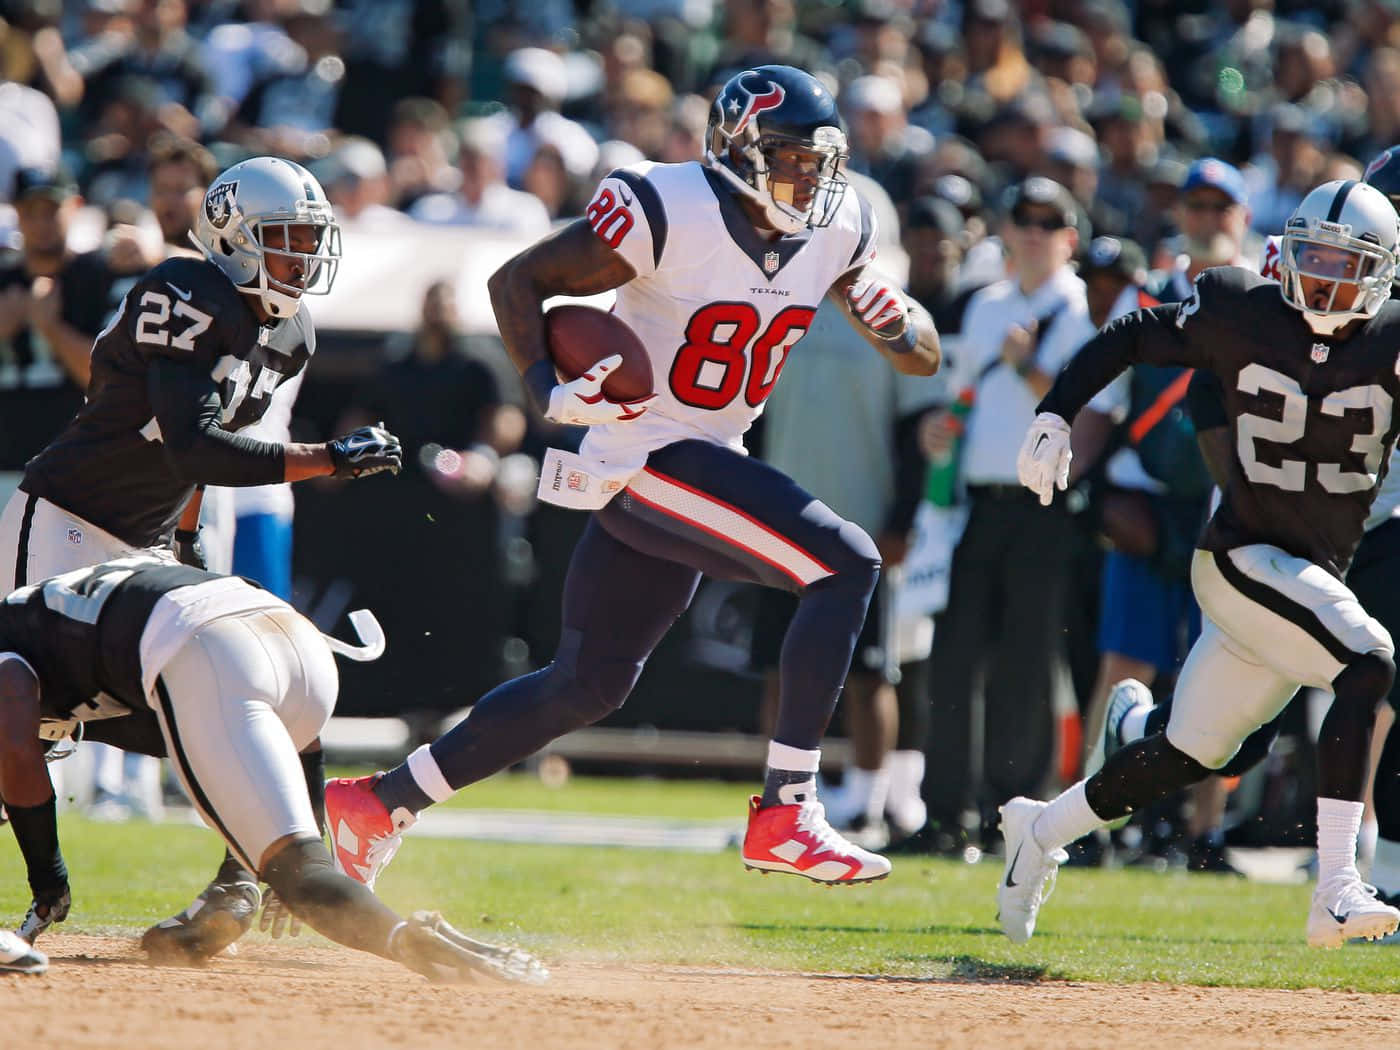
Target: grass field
(929,919)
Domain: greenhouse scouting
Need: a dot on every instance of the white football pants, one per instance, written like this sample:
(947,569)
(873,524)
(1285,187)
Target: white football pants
(1272,623)
(236,703)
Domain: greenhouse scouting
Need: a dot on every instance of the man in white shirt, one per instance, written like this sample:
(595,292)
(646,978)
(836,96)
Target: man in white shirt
(483,199)
(1002,625)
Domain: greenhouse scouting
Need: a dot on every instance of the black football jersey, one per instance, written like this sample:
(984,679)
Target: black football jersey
(108,465)
(1313,417)
(81,631)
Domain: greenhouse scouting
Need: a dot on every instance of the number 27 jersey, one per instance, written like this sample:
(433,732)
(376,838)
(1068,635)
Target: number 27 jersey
(718,307)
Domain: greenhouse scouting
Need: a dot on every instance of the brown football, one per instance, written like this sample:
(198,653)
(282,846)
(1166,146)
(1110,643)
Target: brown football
(581,336)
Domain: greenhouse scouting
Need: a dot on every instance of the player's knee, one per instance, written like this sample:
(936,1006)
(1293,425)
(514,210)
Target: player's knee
(590,678)
(1208,752)
(854,560)
(1367,679)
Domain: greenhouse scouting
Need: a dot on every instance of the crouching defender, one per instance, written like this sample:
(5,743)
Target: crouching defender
(236,682)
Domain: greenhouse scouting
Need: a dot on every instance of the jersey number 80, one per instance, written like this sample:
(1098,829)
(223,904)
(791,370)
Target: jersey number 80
(717,360)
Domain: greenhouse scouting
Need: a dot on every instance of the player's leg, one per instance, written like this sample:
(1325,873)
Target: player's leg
(235,704)
(737,518)
(618,604)
(1310,627)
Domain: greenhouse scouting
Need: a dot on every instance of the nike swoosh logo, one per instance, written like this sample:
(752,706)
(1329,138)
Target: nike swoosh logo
(1341,919)
(179,291)
(1039,441)
(1010,868)
(623,194)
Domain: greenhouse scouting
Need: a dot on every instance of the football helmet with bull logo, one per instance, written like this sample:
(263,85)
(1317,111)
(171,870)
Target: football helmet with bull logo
(776,138)
(252,212)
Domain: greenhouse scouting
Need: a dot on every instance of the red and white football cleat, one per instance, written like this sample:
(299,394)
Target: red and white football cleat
(364,835)
(799,841)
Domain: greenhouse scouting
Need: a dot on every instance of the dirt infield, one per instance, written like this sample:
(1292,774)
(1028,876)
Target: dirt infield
(100,994)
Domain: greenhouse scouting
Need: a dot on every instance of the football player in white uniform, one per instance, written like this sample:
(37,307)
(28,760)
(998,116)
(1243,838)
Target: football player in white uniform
(719,266)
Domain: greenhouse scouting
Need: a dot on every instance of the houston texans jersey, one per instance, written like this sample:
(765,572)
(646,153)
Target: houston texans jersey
(108,465)
(1312,417)
(718,307)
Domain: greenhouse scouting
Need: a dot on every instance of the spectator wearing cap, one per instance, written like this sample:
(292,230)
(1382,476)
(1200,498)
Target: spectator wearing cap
(1213,216)
(935,239)
(639,112)
(883,144)
(945,71)
(483,199)
(998,659)
(536,83)
(1062,51)
(1150,499)
(763,32)
(356,179)
(1290,166)
(1013,138)
(53,302)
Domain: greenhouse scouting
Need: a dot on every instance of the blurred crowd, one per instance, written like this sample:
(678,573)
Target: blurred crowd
(1177,135)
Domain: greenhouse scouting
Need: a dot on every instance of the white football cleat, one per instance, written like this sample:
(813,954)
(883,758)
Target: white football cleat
(1029,877)
(1123,697)
(19,956)
(1344,907)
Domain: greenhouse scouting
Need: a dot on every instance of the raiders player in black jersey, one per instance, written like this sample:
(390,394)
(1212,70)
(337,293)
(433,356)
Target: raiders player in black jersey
(1311,374)
(237,681)
(193,355)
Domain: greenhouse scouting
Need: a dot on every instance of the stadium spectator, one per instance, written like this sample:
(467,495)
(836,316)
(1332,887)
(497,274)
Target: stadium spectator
(483,198)
(356,178)
(536,82)
(997,649)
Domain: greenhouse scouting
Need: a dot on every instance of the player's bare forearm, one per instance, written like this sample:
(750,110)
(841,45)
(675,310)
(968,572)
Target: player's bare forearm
(571,261)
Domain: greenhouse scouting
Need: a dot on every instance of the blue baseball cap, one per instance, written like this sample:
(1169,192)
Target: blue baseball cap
(1217,175)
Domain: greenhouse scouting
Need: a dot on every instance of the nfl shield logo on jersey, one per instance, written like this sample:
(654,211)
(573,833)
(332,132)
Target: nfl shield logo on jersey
(75,537)
(1319,353)
(577,481)
(771,262)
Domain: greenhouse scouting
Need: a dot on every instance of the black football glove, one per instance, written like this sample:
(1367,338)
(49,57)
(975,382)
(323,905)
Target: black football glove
(367,450)
(189,548)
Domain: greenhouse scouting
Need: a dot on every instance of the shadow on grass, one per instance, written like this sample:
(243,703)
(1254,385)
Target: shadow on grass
(801,927)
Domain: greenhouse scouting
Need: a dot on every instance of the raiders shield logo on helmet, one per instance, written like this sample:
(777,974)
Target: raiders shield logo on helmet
(1320,352)
(219,203)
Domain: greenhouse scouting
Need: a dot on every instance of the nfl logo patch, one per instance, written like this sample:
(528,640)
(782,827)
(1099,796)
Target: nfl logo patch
(577,481)
(771,262)
(1319,353)
(75,537)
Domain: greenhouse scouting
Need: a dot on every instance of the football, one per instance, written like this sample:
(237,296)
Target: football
(581,336)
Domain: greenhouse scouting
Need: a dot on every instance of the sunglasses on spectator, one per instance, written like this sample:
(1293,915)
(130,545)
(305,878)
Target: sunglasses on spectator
(1218,207)
(1048,223)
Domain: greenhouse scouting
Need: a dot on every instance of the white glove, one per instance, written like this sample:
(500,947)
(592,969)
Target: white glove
(1043,465)
(581,402)
(879,305)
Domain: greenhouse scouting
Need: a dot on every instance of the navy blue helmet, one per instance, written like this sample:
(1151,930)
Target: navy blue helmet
(771,109)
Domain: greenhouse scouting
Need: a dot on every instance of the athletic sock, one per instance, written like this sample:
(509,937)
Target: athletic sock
(1067,818)
(791,777)
(414,784)
(1338,823)
(1385,868)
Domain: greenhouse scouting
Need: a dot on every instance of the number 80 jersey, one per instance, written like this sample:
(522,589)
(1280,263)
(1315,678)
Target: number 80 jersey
(718,307)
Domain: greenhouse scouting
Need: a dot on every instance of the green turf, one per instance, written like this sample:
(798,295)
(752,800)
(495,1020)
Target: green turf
(641,797)
(933,919)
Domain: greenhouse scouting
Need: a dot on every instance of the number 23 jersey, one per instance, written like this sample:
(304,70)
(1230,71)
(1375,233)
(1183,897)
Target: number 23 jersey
(718,307)
(1313,419)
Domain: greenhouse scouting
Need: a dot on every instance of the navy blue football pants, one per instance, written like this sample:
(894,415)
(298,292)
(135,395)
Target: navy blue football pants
(696,508)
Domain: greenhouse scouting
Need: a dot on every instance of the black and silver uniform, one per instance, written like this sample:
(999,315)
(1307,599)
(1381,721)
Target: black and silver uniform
(182,365)
(81,631)
(1313,417)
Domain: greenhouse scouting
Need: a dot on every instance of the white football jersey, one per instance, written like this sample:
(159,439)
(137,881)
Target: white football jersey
(718,307)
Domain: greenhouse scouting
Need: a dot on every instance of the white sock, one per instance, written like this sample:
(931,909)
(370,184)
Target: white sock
(1385,868)
(905,803)
(1066,819)
(1338,823)
(784,762)
(1134,724)
(877,793)
(427,775)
